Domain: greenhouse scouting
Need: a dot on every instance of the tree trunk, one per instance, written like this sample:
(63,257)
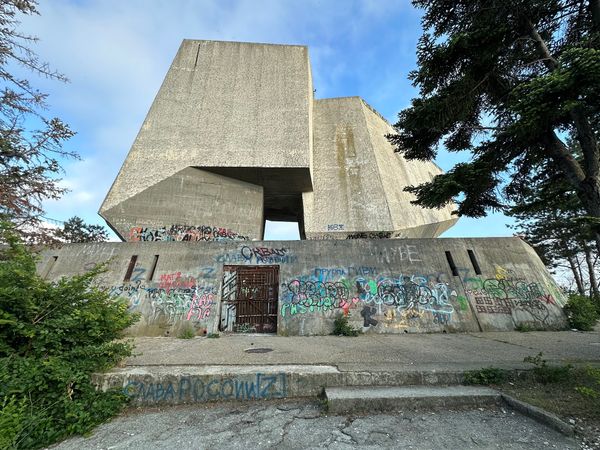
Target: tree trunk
(577,276)
(594,7)
(586,179)
(588,259)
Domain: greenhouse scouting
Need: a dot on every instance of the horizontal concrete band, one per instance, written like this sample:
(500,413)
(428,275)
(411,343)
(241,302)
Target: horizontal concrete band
(199,384)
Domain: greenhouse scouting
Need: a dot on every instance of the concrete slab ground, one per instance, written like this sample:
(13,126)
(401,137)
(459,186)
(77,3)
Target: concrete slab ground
(302,425)
(373,352)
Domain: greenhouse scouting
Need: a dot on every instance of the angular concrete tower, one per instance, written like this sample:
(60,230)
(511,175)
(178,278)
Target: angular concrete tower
(234,138)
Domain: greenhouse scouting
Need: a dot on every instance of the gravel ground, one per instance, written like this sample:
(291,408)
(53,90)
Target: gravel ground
(303,424)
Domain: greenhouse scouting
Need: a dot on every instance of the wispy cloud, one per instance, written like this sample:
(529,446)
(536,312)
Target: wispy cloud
(116,54)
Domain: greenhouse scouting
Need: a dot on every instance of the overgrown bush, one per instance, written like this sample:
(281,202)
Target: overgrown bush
(53,336)
(581,312)
(545,373)
(341,327)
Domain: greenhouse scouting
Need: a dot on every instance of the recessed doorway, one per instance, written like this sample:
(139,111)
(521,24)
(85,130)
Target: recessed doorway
(250,295)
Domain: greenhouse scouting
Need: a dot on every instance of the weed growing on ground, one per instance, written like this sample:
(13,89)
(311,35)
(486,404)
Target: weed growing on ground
(545,373)
(186,333)
(213,335)
(490,375)
(594,390)
(341,327)
(527,327)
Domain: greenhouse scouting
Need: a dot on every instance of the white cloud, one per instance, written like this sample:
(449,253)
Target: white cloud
(116,54)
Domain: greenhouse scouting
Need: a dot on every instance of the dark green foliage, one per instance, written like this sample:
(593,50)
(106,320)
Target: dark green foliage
(76,230)
(341,327)
(581,312)
(506,82)
(545,373)
(213,335)
(490,375)
(53,336)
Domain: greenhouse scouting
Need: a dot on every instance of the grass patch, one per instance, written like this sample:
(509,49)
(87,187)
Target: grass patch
(572,393)
(490,375)
(187,333)
(341,327)
(213,335)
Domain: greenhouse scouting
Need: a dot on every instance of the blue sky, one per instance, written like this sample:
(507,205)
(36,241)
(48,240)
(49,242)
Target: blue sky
(116,53)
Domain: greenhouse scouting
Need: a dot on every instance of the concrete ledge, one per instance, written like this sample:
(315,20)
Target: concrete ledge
(157,385)
(361,399)
(539,414)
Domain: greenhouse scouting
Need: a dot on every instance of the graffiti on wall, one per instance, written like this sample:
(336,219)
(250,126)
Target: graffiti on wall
(194,389)
(408,296)
(505,295)
(175,297)
(248,254)
(375,235)
(184,233)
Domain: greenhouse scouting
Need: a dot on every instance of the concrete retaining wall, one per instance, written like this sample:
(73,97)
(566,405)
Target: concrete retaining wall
(382,286)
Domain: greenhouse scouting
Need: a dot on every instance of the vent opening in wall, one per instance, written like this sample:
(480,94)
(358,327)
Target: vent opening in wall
(49,266)
(132,262)
(451,264)
(153,268)
(474,262)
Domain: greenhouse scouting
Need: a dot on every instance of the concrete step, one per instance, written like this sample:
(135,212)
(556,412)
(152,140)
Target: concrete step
(378,398)
(161,385)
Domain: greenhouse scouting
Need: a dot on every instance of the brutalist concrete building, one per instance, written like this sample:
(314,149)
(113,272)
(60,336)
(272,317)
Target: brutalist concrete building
(235,137)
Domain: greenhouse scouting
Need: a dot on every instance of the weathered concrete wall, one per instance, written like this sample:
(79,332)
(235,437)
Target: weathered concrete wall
(190,205)
(358,180)
(223,105)
(383,286)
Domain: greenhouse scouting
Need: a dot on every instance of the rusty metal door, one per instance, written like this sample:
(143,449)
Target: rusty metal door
(250,295)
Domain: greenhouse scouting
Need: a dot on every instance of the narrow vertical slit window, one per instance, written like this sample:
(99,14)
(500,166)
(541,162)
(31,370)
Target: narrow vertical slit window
(451,264)
(129,272)
(50,266)
(473,259)
(153,268)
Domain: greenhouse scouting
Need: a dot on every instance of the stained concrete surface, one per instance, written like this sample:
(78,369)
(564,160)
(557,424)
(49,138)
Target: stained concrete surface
(375,352)
(291,425)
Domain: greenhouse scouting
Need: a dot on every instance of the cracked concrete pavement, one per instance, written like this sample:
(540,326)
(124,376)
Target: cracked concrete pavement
(302,424)
(375,352)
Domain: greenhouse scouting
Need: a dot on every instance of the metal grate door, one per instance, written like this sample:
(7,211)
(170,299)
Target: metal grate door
(251,294)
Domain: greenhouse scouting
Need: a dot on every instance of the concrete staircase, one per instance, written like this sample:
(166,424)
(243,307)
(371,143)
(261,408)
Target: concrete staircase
(342,400)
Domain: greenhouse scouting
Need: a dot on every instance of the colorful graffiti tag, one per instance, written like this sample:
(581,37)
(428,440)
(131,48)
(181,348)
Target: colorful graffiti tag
(403,293)
(184,233)
(175,297)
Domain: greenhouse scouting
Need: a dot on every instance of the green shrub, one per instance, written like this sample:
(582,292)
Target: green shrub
(594,376)
(213,335)
(545,373)
(341,327)
(581,312)
(53,336)
(187,333)
(490,375)
(524,328)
